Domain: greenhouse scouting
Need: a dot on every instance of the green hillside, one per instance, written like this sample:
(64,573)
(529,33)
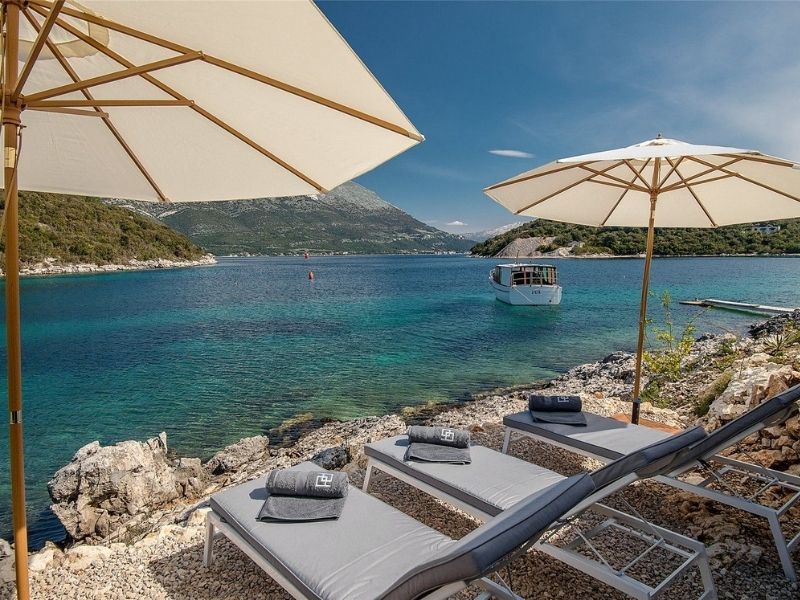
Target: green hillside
(625,241)
(74,229)
(350,219)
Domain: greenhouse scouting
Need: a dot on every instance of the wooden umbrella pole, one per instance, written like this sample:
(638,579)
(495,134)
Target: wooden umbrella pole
(637,384)
(11,123)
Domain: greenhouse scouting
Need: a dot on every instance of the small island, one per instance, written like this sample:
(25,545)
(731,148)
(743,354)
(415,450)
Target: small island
(550,238)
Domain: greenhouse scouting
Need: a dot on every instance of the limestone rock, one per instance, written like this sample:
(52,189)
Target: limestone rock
(80,557)
(5,548)
(233,457)
(754,379)
(45,558)
(101,483)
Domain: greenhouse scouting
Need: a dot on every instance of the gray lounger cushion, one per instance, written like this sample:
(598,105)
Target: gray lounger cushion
(483,550)
(492,483)
(658,458)
(602,436)
(375,552)
(355,557)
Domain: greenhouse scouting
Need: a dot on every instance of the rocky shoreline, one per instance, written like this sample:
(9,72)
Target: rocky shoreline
(51,266)
(135,512)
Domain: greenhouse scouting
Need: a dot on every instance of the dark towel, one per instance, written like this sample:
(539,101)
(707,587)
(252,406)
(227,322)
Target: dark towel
(441,436)
(303,496)
(562,410)
(437,453)
(317,484)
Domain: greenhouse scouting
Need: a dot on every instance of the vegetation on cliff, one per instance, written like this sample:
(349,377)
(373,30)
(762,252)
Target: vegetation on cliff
(627,241)
(74,229)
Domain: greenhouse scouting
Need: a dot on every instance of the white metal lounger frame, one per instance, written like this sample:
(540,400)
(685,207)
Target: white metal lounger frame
(216,526)
(767,478)
(691,551)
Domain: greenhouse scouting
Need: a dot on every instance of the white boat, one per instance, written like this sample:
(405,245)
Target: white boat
(526,284)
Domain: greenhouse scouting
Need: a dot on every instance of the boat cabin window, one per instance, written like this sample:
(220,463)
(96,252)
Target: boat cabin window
(536,275)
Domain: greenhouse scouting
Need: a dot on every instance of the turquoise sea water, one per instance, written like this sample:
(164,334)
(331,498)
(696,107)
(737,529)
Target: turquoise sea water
(210,355)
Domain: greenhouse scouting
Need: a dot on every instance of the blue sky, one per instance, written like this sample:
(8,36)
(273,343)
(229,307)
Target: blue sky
(559,79)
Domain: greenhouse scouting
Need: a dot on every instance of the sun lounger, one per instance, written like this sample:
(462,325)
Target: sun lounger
(606,439)
(375,552)
(495,482)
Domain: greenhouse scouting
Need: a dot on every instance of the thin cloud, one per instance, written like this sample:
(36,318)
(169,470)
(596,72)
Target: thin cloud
(456,224)
(511,153)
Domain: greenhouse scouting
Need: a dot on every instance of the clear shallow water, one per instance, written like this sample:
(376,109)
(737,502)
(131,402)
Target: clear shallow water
(210,355)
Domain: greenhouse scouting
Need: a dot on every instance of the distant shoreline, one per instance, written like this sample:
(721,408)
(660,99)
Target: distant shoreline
(49,268)
(637,256)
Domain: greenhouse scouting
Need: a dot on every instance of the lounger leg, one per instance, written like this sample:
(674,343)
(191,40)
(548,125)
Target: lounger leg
(783,550)
(507,441)
(709,589)
(367,476)
(208,550)
(495,590)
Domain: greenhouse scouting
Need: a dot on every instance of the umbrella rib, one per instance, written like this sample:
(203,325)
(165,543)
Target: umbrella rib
(638,174)
(764,159)
(748,180)
(564,189)
(69,111)
(691,191)
(38,44)
(617,203)
(106,119)
(94,102)
(681,186)
(192,105)
(528,177)
(270,81)
(691,178)
(670,172)
(603,173)
(133,71)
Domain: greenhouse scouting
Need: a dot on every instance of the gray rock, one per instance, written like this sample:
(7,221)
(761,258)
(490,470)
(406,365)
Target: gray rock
(102,482)
(5,548)
(331,458)
(233,457)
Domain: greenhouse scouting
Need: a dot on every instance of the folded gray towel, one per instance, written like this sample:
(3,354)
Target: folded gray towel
(437,453)
(303,496)
(561,410)
(554,403)
(317,484)
(442,436)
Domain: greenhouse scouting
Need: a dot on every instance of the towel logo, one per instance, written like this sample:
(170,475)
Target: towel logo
(324,480)
(448,435)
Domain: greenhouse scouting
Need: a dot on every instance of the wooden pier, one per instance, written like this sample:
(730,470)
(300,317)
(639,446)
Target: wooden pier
(759,309)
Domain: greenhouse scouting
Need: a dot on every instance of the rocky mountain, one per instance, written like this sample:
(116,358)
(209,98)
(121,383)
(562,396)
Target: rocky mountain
(349,219)
(481,236)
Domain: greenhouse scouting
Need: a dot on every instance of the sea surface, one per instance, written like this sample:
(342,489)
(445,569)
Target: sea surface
(213,354)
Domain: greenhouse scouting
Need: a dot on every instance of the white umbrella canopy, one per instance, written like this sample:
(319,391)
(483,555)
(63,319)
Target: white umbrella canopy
(656,183)
(697,186)
(168,100)
(220,100)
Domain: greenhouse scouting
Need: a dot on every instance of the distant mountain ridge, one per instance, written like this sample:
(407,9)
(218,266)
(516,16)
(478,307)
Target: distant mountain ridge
(482,236)
(350,218)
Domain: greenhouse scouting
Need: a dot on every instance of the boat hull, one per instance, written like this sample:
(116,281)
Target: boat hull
(527,295)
